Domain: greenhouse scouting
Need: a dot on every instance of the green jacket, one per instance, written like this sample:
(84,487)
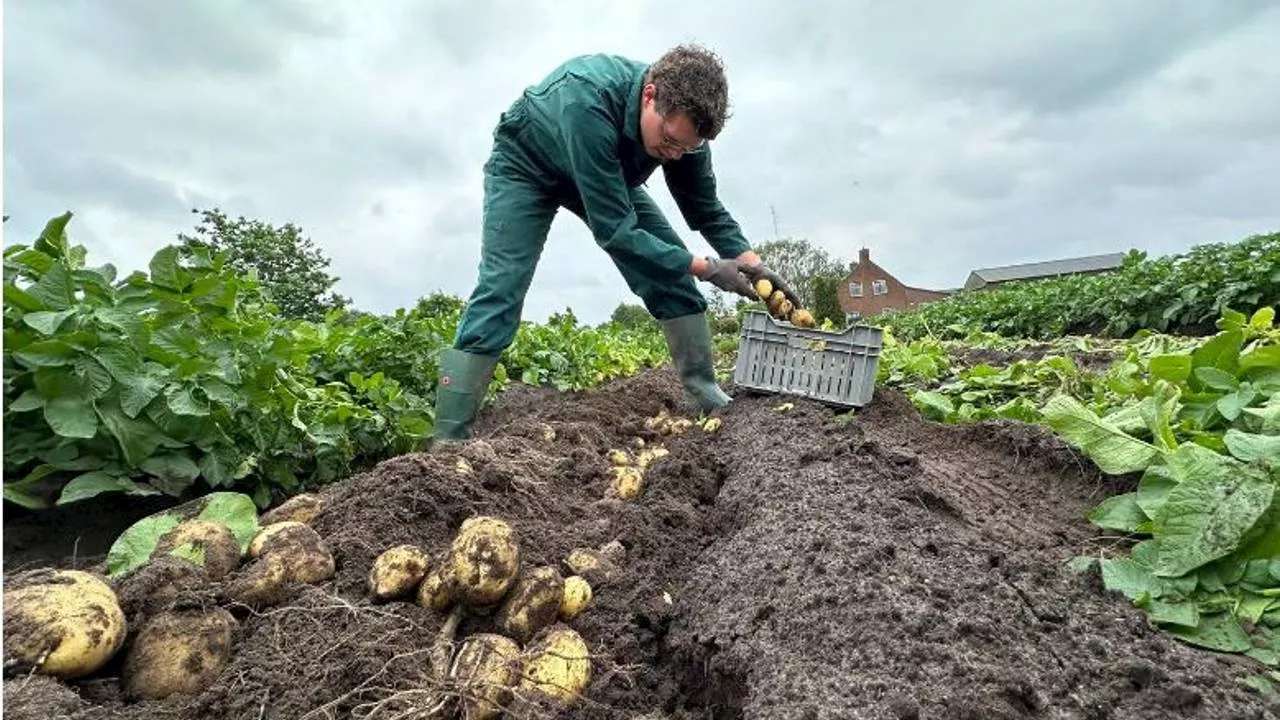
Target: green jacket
(578,132)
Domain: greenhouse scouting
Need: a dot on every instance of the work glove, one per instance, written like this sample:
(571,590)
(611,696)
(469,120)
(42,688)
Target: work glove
(727,275)
(756,272)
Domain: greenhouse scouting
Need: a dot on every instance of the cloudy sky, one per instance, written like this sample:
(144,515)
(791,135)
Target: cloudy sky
(943,136)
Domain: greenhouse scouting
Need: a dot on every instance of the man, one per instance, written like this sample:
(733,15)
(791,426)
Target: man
(586,138)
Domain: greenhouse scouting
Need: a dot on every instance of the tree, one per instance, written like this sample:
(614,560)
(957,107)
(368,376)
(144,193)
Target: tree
(292,271)
(826,301)
(632,315)
(798,262)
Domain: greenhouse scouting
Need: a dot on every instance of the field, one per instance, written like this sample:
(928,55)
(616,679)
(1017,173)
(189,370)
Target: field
(1078,527)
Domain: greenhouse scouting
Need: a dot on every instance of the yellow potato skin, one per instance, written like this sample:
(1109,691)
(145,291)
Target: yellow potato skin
(72,615)
(532,604)
(305,553)
(484,560)
(627,482)
(577,595)
(436,590)
(212,540)
(802,318)
(258,544)
(397,571)
(556,665)
(486,668)
(303,508)
(178,652)
(764,288)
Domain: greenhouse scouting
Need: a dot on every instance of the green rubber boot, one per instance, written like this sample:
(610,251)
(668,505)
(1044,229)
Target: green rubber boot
(464,378)
(689,339)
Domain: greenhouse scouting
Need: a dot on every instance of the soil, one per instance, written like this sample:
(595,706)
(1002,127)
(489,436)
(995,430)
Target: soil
(802,564)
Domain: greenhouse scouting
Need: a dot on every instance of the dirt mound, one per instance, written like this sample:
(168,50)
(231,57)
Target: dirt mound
(797,564)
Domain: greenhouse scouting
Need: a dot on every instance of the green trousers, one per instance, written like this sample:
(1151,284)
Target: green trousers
(517,217)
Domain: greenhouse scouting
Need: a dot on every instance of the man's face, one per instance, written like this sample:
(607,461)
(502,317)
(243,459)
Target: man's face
(666,138)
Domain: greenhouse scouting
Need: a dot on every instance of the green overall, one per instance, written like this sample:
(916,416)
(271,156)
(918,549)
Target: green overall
(573,141)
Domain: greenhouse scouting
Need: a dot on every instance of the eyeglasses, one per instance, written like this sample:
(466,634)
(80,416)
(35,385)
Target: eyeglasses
(671,142)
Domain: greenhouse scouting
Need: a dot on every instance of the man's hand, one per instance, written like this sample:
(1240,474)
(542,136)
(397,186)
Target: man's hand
(757,270)
(726,275)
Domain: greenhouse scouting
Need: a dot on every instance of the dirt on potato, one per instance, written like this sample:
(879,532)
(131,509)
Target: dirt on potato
(800,564)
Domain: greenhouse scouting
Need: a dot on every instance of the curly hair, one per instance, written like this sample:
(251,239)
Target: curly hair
(690,79)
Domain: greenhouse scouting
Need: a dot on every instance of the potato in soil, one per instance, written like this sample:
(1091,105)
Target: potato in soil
(261,583)
(436,591)
(532,604)
(485,670)
(577,595)
(303,508)
(592,565)
(627,482)
(484,560)
(63,623)
(397,571)
(207,543)
(307,557)
(178,652)
(557,665)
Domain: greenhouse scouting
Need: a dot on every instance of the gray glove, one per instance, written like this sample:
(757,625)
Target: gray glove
(727,275)
(756,272)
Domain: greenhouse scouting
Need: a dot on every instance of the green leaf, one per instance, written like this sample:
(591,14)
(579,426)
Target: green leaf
(1250,447)
(27,401)
(1114,451)
(183,402)
(1174,368)
(1118,512)
(95,483)
(1153,489)
(1216,379)
(1261,357)
(1207,514)
(55,290)
(71,417)
(165,271)
(47,322)
(1219,632)
(138,438)
(53,238)
(173,472)
(236,510)
(46,353)
(134,546)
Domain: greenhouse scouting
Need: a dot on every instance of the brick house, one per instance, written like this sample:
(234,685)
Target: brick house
(869,289)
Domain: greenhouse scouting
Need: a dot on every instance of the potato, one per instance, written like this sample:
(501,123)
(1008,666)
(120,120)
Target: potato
(484,559)
(619,457)
(592,565)
(712,425)
(155,585)
(556,665)
(62,623)
(764,288)
(548,433)
(178,652)
(463,468)
(577,595)
(627,482)
(207,543)
(679,426)
(437,589)
(784,309)
(306,557)
(802,318)
(646,457)
(262,584)
(397,571)
(775,302)
(532,604)
(485,670)
(303,508)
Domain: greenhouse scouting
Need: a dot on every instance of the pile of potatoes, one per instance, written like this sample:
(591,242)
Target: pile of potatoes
(781,307)
(70,623)
(530,654)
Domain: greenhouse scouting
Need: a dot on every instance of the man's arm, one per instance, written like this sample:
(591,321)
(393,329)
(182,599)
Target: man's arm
(692,183)
(591,146)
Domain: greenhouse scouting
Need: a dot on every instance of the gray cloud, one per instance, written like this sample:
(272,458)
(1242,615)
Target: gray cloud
(942,136)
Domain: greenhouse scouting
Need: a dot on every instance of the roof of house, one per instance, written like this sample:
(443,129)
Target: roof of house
(1087,263)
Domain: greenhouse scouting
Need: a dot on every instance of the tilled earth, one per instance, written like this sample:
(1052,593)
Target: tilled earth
(799,564)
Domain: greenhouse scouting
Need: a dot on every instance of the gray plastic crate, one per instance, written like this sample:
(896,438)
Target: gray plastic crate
(834,367)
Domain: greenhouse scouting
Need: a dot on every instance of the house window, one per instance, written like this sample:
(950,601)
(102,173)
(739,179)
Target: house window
(855,289)
(879,287)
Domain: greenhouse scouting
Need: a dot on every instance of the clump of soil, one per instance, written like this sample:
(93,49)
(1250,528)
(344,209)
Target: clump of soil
(796,564)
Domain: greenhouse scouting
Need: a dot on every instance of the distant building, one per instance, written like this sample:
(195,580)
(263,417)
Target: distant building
(870,289)
(1089,264)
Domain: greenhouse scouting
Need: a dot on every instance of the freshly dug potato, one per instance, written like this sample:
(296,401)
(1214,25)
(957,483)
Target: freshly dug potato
(304,552)
(436,589)
(63,623)
(302,508)
(764,288)
(577,595)
(679,426)
(207,543)
(775,302)
(397,571)
(627,482)
(712,425)
(802,318)
(548,433)
(154,585)
(532,604)
(646,457)
(485,670)
(463,468)
(262,584)
(592,565)
(484,559)
(557,665)
(619,457)
(181,651)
